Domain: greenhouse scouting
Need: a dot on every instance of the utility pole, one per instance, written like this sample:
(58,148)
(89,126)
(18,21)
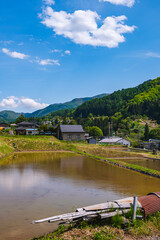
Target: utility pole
(109,128)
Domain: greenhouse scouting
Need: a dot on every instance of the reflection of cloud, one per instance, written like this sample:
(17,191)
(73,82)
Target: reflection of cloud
(14,179)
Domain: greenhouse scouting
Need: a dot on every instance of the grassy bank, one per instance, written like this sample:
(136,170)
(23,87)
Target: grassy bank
(5,148)
(114,229)
(49,143)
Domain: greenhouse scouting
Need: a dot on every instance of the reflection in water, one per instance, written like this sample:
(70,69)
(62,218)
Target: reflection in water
(148,163)
(37,185)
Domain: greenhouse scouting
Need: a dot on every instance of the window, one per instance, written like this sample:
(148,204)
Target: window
(69,137)
(78,137)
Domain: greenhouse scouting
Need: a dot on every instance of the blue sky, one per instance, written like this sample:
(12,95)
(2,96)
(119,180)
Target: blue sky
(54,51)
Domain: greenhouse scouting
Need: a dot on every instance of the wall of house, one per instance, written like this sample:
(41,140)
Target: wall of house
(73,136)
(33,132)
(125,142)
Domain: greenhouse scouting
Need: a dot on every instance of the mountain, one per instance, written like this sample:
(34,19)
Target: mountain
(141,100)
(59,106)
(8,116)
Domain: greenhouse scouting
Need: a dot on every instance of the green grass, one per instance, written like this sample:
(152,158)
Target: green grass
(114,229)
(5,148)
(9,144)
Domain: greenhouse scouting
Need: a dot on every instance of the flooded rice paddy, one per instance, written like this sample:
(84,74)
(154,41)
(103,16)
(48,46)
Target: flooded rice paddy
(38,185)
(145,162)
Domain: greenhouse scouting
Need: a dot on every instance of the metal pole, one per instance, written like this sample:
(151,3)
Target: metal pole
(109,128)
(134,207)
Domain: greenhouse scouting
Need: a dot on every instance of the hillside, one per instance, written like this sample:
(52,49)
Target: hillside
(59,106)
(143,99)
(8,116)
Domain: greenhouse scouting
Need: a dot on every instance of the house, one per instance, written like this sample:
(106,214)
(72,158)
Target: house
(91,140)
(71,133)
(26,128)
(47,123)
(116,140)
(4,126)
(154,144)
(31,131)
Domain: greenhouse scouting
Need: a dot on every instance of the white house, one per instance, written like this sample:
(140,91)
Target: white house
(31,131)
(116,140)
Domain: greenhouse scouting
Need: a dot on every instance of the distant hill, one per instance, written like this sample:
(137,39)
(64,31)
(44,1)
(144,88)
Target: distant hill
(141,100)
(8,116)
(61,106)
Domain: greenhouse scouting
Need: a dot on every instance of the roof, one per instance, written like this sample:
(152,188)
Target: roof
(71,129)
(20,129)
(31,129)
(4,125)
(112,140)
(150,203)
(26,123)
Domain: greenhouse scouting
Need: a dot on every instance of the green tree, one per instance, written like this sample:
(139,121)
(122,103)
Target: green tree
(155,133)
(21,118)
(94,131)
(146,132)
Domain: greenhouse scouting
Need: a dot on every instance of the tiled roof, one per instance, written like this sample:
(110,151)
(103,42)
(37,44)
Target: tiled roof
(71,129)
(150,203)
(26,123)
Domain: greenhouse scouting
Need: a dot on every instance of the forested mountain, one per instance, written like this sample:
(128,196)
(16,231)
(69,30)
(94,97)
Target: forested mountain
(59,106)
(8,116)
(143,99)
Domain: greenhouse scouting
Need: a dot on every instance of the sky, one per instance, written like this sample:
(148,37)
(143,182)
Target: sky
(55,51)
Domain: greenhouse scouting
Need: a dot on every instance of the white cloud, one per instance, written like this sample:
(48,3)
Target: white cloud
(31,103)
(21,44)
(13,102)
(49,2)
(9,102)
(6,42)
(45,62)
(56,50)
(152,54)
(14,54)
(81,27)
(128,3)
(68,52)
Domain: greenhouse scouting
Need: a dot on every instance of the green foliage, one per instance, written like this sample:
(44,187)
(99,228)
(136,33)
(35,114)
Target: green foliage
(143,100)
(8,116)
(155,133)
(94,131)
(61,106)
(105,235)
(21,118)
(146,132)
(117,221)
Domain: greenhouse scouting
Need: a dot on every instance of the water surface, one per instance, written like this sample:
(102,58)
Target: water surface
(145,162)
(38,185)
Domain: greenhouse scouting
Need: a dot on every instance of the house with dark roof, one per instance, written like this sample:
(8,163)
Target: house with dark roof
(26,128)
(71,133)
(3,126)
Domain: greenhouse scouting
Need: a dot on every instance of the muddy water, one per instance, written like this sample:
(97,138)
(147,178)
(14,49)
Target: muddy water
(148,163)
(38,185)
